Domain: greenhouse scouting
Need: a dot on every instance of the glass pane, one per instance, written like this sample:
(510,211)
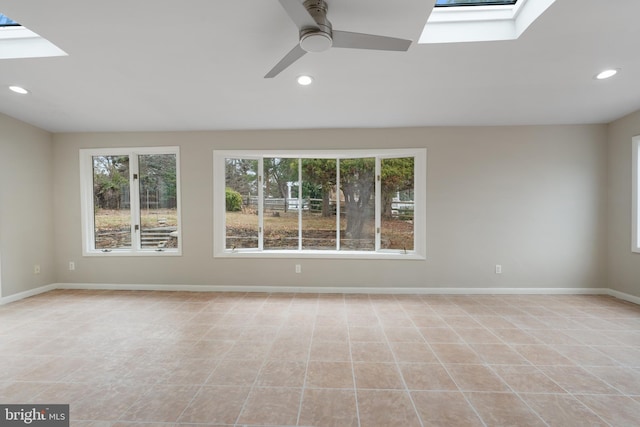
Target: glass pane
(111,202)
(319,207)
(280,218)
(397,203)
(5,21)
(445,3)
(357,222)
(158,201)
(241,194)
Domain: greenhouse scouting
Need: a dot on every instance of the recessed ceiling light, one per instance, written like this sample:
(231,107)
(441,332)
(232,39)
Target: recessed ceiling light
(305,80)
(607,73)
(18,89)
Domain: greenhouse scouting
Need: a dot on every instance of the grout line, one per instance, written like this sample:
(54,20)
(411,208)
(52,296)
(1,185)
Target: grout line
(397,365)
(306,368)
(428,344)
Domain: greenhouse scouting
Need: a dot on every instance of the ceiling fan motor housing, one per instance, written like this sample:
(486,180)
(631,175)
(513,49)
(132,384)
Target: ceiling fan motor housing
(320,38)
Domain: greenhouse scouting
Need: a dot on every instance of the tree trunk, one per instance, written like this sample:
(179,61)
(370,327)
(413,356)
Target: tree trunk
(326,203)
(356,210)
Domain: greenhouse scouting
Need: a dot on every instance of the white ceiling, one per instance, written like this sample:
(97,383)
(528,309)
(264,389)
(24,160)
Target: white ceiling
(199,65)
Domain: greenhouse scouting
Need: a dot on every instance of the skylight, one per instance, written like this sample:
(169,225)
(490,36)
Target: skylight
(17,41)
(454,21)
(459,3)
(5,21)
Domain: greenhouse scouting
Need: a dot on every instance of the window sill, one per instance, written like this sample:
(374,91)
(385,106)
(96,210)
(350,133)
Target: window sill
(308,254)
(125,253)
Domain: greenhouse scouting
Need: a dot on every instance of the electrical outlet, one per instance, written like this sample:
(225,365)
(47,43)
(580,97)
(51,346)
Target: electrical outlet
(36,269)
(298,268)
(498,269)
(72,265)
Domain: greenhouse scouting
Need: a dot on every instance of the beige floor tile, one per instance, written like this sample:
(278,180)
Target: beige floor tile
(627,380)
(577,380)
(494,322)
(562,410)
(503,409)
(330,351)
(235,372)
(329,374)
(455,353)
(553,337)
(161,403)
(616,410)
(527,379)
(386,408)
(499,354)
(329,408)
(328,333)
(20,392)
(249,350)
(271,406)
(371,352)
(461,322)
(627,356)
(429,321)
(403,334)
(377,375)
(281,373)
(584,355)
(542,355)
(475,378)
(445,335)
(478,336)
(259,333)
(417,352)
(213,405)
(190,371)
(366,334)
(445,409)
(107,401)
(140,358)
(289,349)
(210,349)
(422,376)
(516,336)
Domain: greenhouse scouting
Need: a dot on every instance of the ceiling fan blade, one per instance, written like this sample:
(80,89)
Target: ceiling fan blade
(368,41)
(291,57)
(298,14)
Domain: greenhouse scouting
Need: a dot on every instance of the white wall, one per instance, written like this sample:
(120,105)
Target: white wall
(623,266)
(26,216)
(529,198)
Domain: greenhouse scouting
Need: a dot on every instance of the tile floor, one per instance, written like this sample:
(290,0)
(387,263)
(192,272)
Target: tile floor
(125,358)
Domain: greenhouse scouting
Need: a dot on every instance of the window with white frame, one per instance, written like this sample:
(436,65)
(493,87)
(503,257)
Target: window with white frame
(635,240)
(131,201)
(346,204)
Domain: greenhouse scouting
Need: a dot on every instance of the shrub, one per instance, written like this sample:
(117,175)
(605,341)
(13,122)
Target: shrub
(233,200)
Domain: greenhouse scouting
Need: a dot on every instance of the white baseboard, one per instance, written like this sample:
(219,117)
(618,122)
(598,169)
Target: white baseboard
(27,294)
(624,296)
(339,289)
(324,290)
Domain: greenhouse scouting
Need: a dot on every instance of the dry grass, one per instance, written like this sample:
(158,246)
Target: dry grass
(111,219)
(396,233)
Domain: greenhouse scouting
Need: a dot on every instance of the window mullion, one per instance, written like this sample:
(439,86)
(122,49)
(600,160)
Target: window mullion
(299,204)
(134,202)
(378,203)
(261,204)
(338,204)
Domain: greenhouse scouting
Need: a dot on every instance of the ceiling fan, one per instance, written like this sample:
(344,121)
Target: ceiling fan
(317,35)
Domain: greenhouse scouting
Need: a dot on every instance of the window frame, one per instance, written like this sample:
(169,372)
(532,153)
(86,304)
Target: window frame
(87,201)
(420,195)
(635,197)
